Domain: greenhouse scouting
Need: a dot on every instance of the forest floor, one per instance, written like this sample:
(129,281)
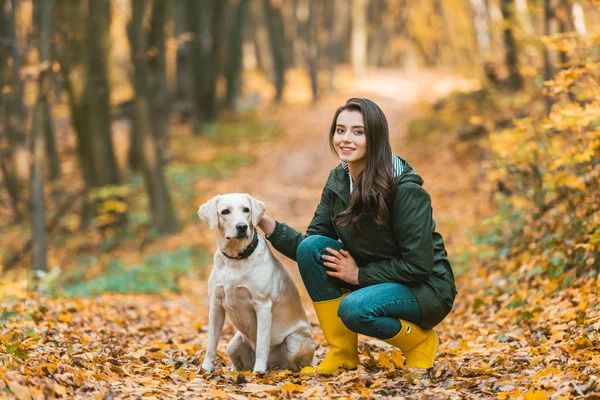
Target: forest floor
(151,346)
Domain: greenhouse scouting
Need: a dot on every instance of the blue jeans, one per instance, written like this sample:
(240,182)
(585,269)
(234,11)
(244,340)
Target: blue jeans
(373,310)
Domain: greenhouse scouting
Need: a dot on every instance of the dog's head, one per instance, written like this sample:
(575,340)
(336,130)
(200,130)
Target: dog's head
(234,215)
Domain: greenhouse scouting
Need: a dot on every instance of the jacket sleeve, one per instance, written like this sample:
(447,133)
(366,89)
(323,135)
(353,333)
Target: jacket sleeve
(286,239)
(412,224)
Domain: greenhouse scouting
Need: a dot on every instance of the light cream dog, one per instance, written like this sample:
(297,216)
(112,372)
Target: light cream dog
(249,284)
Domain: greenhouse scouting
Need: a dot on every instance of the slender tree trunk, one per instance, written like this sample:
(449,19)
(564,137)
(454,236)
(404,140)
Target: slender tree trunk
(50,141)
(565,23)
(445,39)
(378,39)
(262,45)
(480,24)
(548,69)
(359,37)
(579,18)
(340,18)
(161,208)
(274,20)
(205,63)
(312,48)
(38,219)
(233,70)
(294,48)
(514,80)
(48,126)
(15,163)
(157,74)
(83,54)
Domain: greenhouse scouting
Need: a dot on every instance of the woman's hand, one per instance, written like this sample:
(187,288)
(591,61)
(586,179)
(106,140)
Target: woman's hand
(344,266)
(266,224)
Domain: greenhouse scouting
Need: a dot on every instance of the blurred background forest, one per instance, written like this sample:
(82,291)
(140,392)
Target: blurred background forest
(111,110)
(118,118)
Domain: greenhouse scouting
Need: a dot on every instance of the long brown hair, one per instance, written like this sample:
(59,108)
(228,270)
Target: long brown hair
(374,187)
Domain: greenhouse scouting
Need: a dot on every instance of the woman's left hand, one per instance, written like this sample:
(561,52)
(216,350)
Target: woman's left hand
(343,264)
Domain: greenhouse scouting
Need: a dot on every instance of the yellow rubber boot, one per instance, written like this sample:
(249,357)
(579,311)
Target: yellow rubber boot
(343,342)
(418,345)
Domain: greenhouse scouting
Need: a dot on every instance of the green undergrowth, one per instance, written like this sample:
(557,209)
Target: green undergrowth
(157,272)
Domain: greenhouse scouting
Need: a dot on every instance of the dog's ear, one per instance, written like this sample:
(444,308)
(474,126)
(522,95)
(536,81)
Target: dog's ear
(258,209)
(208,212)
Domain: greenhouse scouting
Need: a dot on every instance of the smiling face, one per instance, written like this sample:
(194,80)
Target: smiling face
(349,139)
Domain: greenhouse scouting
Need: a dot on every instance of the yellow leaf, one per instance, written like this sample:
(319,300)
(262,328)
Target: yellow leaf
(544,372)
(583,343)
(101,377)
(218,393)
(65,318)
(384,360)
(160,356)
(183,373)
(535,395)
(397,358)
(289,388)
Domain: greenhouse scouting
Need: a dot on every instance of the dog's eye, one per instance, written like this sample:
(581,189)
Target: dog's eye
(246,210)
(225,212)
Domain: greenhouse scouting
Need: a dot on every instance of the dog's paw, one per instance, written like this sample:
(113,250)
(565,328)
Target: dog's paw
(259,368)
(207,368)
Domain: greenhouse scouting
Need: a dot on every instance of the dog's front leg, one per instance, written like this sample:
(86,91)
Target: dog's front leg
(263,335)
(216,319)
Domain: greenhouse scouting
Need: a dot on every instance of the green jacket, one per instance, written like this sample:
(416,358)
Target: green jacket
(406,250)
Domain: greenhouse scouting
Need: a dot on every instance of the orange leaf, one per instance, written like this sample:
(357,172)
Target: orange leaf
(535,395)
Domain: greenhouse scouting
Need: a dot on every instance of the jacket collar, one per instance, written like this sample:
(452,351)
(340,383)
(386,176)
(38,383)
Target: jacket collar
(339,180)
(396,161)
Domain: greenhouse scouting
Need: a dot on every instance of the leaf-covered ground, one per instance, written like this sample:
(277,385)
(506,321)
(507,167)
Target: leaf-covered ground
(517,335)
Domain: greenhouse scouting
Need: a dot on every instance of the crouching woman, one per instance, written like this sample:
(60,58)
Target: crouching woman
(371,260)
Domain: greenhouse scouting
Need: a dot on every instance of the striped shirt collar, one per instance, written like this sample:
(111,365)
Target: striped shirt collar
(398,168)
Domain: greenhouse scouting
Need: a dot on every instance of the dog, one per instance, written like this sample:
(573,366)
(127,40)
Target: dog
(249,284)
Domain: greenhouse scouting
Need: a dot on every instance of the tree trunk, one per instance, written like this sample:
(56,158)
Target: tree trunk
(48,126)
(340,18)
(579,18)
(157,74)
(163,215)
(312,48)
(205,63)
(480,25)
(15,162)
(359,37)
(262,45)
(38,219)
(445,39)
(83,54)
(565,24)
(233,70)
(274,21)
(548,69)
(514,81)
(50,141)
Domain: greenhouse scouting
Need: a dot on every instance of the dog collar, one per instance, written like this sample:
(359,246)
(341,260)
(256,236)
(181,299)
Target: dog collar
(247,251)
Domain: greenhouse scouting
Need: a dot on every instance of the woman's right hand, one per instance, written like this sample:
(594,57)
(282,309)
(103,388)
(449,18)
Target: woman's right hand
(266,224)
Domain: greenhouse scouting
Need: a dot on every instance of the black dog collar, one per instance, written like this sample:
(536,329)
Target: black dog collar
(247,251)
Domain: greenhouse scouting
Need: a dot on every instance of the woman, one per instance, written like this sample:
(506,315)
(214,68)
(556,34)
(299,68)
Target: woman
(371,259)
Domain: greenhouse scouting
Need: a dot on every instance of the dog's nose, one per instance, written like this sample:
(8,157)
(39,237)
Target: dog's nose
(241,227)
